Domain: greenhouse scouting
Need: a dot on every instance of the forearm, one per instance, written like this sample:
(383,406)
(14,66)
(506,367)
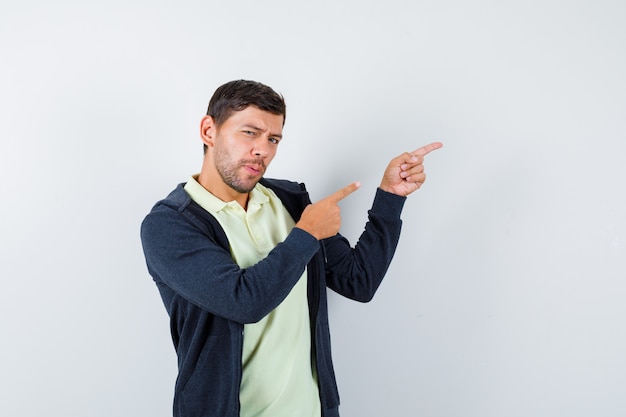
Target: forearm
(357,273)
(204,273)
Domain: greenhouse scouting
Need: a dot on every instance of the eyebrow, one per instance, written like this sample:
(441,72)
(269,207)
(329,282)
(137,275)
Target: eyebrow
(258,129)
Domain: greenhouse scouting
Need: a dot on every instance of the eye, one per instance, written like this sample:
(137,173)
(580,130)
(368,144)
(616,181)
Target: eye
(274,140)
(249,132)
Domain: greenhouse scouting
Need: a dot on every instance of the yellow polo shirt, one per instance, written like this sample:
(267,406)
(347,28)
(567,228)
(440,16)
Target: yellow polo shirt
(278,376)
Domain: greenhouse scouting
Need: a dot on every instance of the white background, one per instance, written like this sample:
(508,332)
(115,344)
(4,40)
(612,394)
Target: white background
(507,294)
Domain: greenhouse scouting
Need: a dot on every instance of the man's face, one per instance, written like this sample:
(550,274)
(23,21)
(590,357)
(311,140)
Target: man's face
(244,146)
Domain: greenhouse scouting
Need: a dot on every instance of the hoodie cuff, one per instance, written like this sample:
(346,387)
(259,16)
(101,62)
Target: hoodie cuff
(387,204)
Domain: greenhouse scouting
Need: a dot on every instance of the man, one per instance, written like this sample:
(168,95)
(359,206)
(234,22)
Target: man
(242,263)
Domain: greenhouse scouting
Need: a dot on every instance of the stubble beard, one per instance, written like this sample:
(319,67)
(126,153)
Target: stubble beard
(230,170)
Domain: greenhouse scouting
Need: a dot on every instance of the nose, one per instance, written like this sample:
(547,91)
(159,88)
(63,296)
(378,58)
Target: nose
(260,148)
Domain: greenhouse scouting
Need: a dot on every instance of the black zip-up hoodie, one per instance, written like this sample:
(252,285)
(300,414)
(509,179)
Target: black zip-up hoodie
(209,298)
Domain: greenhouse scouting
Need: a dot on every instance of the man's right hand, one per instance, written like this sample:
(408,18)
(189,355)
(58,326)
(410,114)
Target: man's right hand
(323,219)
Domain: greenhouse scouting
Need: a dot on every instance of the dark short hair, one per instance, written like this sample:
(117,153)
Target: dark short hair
(237,95)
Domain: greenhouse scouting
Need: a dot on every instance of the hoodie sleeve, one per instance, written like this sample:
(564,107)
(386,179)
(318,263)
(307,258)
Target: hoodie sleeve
(192,265)
(357,272)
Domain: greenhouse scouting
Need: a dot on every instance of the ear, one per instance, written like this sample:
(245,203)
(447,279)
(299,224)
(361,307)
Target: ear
(207,131)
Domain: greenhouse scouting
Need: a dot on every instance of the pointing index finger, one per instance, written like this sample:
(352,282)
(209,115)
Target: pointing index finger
(425,150)
(344,192)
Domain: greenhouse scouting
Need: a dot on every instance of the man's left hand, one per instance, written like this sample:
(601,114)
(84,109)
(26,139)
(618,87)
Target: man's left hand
(405,173)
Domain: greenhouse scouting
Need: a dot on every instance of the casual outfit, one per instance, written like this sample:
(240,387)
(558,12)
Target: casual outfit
(246,296)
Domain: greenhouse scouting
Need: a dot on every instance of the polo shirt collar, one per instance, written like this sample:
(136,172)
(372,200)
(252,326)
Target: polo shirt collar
(211,203)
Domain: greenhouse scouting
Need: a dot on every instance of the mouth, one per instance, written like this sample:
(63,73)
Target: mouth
(254,169)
